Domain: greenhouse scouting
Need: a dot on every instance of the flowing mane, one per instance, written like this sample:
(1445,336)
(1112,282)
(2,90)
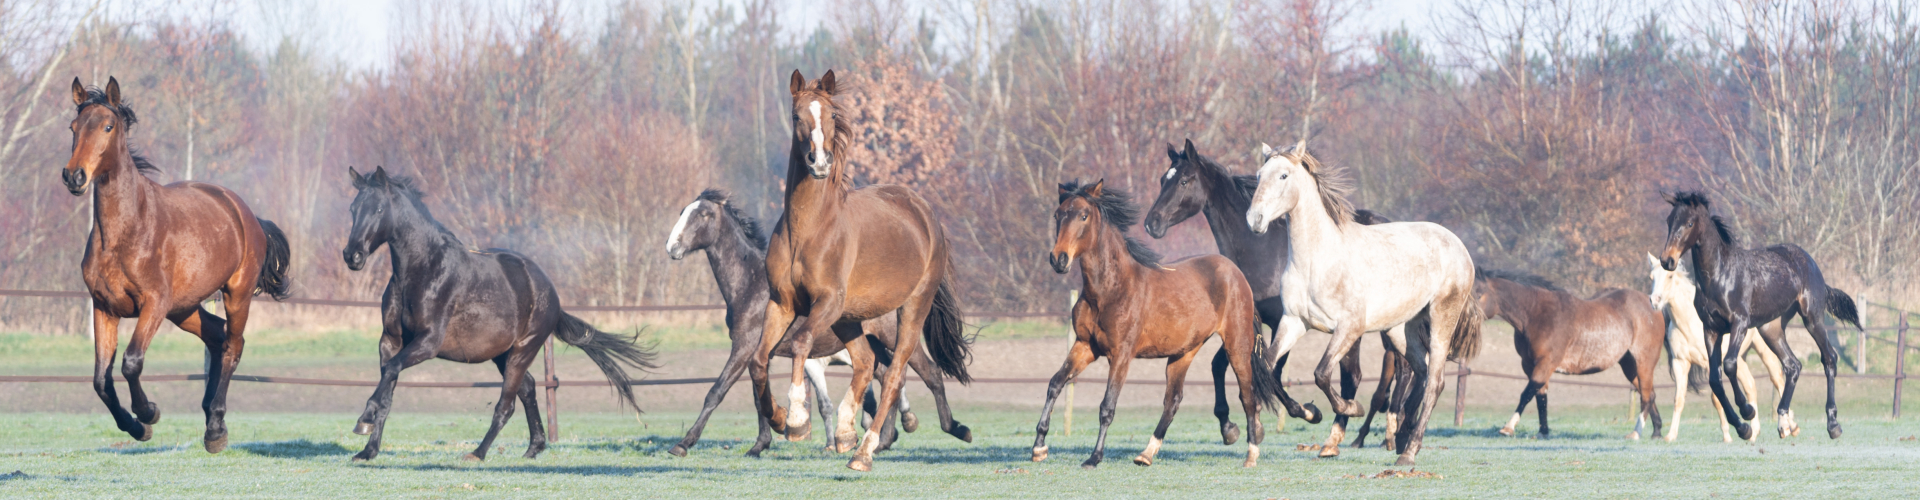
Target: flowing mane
(1333,182)
(1695,199)
(748,225)
(1118,209)
(1528,279)
(405,186)
(97,97)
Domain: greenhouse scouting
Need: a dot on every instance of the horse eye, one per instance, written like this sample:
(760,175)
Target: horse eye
(1283,177)
(1083,216)
(109,127)
(1185,180)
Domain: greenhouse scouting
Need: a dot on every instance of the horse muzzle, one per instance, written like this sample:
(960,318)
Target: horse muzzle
(819,165)
(1156,226)
(75,179)
(1060,260)
(355,258)
(675,250)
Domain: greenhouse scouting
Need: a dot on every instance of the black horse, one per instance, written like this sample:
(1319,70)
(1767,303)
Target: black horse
(736,252)
(1195,184)
(463,305)
(1741,288)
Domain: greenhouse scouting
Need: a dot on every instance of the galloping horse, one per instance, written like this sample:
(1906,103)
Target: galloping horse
(1558,332)
(446,301)
(735,251)
(1747,288)
(1195,184)
(1132,306)
(1673,292)
(1349,279)
(156,252)
(840,256)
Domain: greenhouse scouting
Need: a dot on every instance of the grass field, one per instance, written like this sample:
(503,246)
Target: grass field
(601,455)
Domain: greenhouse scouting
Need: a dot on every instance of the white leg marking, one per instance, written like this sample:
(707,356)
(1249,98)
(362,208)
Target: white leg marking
(1508,430)
(797,406)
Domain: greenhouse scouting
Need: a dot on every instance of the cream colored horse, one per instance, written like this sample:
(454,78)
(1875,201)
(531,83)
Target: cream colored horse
(1673,292)
(1347,279)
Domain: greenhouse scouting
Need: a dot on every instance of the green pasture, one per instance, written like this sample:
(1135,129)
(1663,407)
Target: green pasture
(612,455)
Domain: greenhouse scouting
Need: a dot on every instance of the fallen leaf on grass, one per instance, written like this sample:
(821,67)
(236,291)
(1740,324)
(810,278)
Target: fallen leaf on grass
(1010,470)
(1396,473)
(1307,447)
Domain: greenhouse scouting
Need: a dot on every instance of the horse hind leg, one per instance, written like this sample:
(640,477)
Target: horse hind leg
(817,380)
(513,375)
(1176,384)
(213,332)
(1770,334)
(1291,329)
(936,384)
(536,432)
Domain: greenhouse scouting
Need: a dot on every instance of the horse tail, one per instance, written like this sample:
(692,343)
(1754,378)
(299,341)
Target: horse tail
(946,336)
(1465,344)
(273,269)
(1841,305)
(1697,379)
(1265,385)
(608,351)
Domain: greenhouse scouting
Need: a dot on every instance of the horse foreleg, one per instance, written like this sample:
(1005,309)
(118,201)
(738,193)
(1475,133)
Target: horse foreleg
(1729,366)
(737,362)
(822,398)
(779,318)
(1534,383)
(1343,339)
(144,329)
(1349,385)
(1291,329)
(1176,382)
(1078,357)
(213,332)
(1117,364)
(423,348)
(106,345)
(1229,433)
(1715,382)
(826,309)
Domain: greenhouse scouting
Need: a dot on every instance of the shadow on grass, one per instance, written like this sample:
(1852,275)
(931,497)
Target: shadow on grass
(300,448)
(144,450)
(1494,433)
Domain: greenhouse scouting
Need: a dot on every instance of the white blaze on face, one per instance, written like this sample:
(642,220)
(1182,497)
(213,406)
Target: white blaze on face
(680,227)
(1171,171)
(819,136)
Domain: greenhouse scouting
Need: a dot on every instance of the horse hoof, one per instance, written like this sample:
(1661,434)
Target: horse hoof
(1312,414)
(1748,411)
(1634,436)
(1229,434)
(215,446)
(1329,451)
(754,452)
(805,433)
(153,415)
(861,462)
(1404,461)
(1090,464)
(363,456)
(965,434)
(1142,461)
(1833,431)
(909,422)
(1506,431)
(1040,454)
(842,447)
(678,451)
(473,458)
(363,428)
(1746,431)
(146,433)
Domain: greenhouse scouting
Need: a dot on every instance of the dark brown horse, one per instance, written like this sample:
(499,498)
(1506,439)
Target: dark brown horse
(1132,306)
(156,252)
(1558,332)
(1742,288)
(841,255)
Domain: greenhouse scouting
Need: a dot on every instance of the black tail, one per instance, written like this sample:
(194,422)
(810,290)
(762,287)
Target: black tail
(1841,305)
(609,351)
(946,337)
(1697,379)
(1265,385)
(273,269)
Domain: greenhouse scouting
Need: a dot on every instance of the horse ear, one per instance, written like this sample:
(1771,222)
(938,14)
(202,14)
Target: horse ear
(796,83)
(358,180)
(1095,189)
(1190,151)
(1173,154)
(1652,261)
(380,173)
(826,83)
(113,91)
(1066,189)
(79,92)
(1671,200)
(1266,152)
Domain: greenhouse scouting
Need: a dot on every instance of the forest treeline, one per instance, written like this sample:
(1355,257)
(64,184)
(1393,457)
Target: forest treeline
(1542,132)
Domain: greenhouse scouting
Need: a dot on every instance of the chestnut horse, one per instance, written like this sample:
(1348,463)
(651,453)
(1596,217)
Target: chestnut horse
(1558,332)
(1132,306)
(840,256)
(157,252)
(1196,185)
(735,250)
(1747,288)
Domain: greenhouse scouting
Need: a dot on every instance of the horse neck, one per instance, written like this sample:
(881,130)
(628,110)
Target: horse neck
(1226,213)
(1521,305)
(1108,271)
(417,241)
(120,192)
(1708,256)
(739,269)
(808,198)
(1311,231)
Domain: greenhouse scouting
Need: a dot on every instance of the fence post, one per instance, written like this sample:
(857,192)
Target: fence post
(1073,297)
(1460,395)
(1899,363)
(1860,348)
(553,403)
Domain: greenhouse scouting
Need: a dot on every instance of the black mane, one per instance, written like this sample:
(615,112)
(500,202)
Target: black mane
(748,225)
(1532,280)
(1246,184)
(1118,209)
(98,97)
(1698,200)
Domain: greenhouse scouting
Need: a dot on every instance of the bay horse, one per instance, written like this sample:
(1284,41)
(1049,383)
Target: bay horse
(1673,293)
(841,255)
(1195,184)
(1133,306)
(156,253)
(1750,287)
(735,249)
(1347,279)
(1557,332)
(444,300)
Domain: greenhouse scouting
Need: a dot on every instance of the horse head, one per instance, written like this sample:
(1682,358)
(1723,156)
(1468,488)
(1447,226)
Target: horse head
(372,210)
(99,133)
(707,222)
(818,130)
(1282,177)
(1669,287)
(1076,223)
(1183,191)
(1687,225)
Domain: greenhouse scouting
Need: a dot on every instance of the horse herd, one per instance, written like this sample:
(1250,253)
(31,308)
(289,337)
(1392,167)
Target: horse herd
(864,275)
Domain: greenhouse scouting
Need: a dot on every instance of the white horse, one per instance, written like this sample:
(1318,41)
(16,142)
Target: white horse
(1673,292)
(1348,279)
